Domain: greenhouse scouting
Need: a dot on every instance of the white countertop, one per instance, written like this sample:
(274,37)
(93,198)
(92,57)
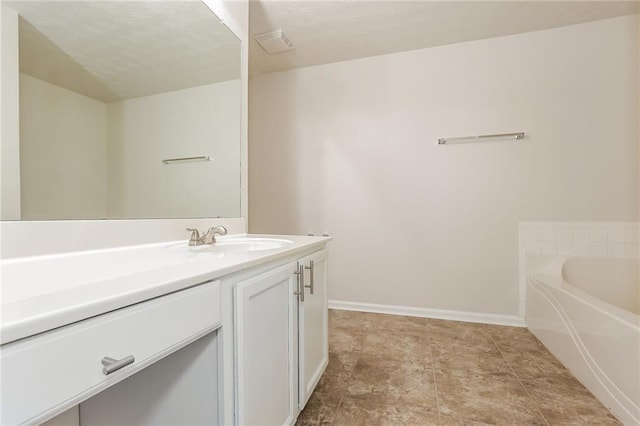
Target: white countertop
(40,293)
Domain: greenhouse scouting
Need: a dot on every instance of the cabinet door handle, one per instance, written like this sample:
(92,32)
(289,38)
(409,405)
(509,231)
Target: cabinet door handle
(300,274)
(111,365)
(310,267)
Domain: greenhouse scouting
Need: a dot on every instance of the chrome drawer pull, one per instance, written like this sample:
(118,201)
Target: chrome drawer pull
(111,365)
(300,282)
(310,286)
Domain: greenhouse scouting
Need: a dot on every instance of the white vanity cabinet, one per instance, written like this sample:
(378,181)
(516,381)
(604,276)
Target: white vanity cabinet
(281,347)
(246,346)
(45,374)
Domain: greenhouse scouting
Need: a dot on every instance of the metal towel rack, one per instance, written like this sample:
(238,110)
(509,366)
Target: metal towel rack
(516,135)
(187,159)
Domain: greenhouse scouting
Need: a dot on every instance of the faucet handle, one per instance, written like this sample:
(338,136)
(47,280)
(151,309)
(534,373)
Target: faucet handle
(195,234)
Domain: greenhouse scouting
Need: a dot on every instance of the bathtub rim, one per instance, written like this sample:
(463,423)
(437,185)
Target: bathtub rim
(548,271)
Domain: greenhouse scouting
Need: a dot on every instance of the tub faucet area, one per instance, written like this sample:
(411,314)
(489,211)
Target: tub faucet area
(208,237)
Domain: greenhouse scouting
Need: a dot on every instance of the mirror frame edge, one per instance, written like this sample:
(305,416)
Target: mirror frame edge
(234,14)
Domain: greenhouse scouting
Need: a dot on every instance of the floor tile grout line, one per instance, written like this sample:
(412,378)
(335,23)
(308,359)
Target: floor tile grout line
(433,371)
(344,393)
(524,380)
(513,370)
(532,396)
(335,415)
(515,373)
(357,355)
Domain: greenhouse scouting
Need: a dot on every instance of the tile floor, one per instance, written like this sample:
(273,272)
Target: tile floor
(395,370)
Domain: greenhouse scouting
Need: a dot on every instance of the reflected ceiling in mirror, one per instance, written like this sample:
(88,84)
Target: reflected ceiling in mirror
(115,50)
(156,80)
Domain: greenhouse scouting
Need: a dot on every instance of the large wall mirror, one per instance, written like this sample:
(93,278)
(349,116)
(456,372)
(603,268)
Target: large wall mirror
(128,109)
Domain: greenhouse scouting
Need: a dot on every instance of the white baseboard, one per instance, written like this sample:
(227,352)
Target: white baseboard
(476,317)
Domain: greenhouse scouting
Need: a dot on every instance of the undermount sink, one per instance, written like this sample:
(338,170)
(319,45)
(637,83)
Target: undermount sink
(236,245)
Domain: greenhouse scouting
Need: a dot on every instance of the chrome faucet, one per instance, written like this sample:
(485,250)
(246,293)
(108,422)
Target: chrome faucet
(208,237)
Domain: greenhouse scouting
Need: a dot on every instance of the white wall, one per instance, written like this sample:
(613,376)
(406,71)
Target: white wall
(63,146)
(202,121)
(350,148)
(9,133)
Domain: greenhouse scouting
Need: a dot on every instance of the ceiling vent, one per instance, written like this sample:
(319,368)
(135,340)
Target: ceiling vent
(273,42)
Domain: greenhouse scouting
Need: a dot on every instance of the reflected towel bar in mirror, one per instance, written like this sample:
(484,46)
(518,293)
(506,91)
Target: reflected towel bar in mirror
(516,135)
(187,159)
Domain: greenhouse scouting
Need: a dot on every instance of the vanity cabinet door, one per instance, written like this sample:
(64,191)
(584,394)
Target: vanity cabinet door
(265,347)
(313,325)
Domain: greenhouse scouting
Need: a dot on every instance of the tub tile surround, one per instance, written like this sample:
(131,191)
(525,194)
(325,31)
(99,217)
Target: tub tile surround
(389,369)
(598,239)
(609,239)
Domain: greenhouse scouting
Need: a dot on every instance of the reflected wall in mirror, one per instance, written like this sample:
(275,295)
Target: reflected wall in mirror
(110,89)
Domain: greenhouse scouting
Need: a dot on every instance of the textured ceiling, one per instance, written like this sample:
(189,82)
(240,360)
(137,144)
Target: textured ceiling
(113,50)
(327,31)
